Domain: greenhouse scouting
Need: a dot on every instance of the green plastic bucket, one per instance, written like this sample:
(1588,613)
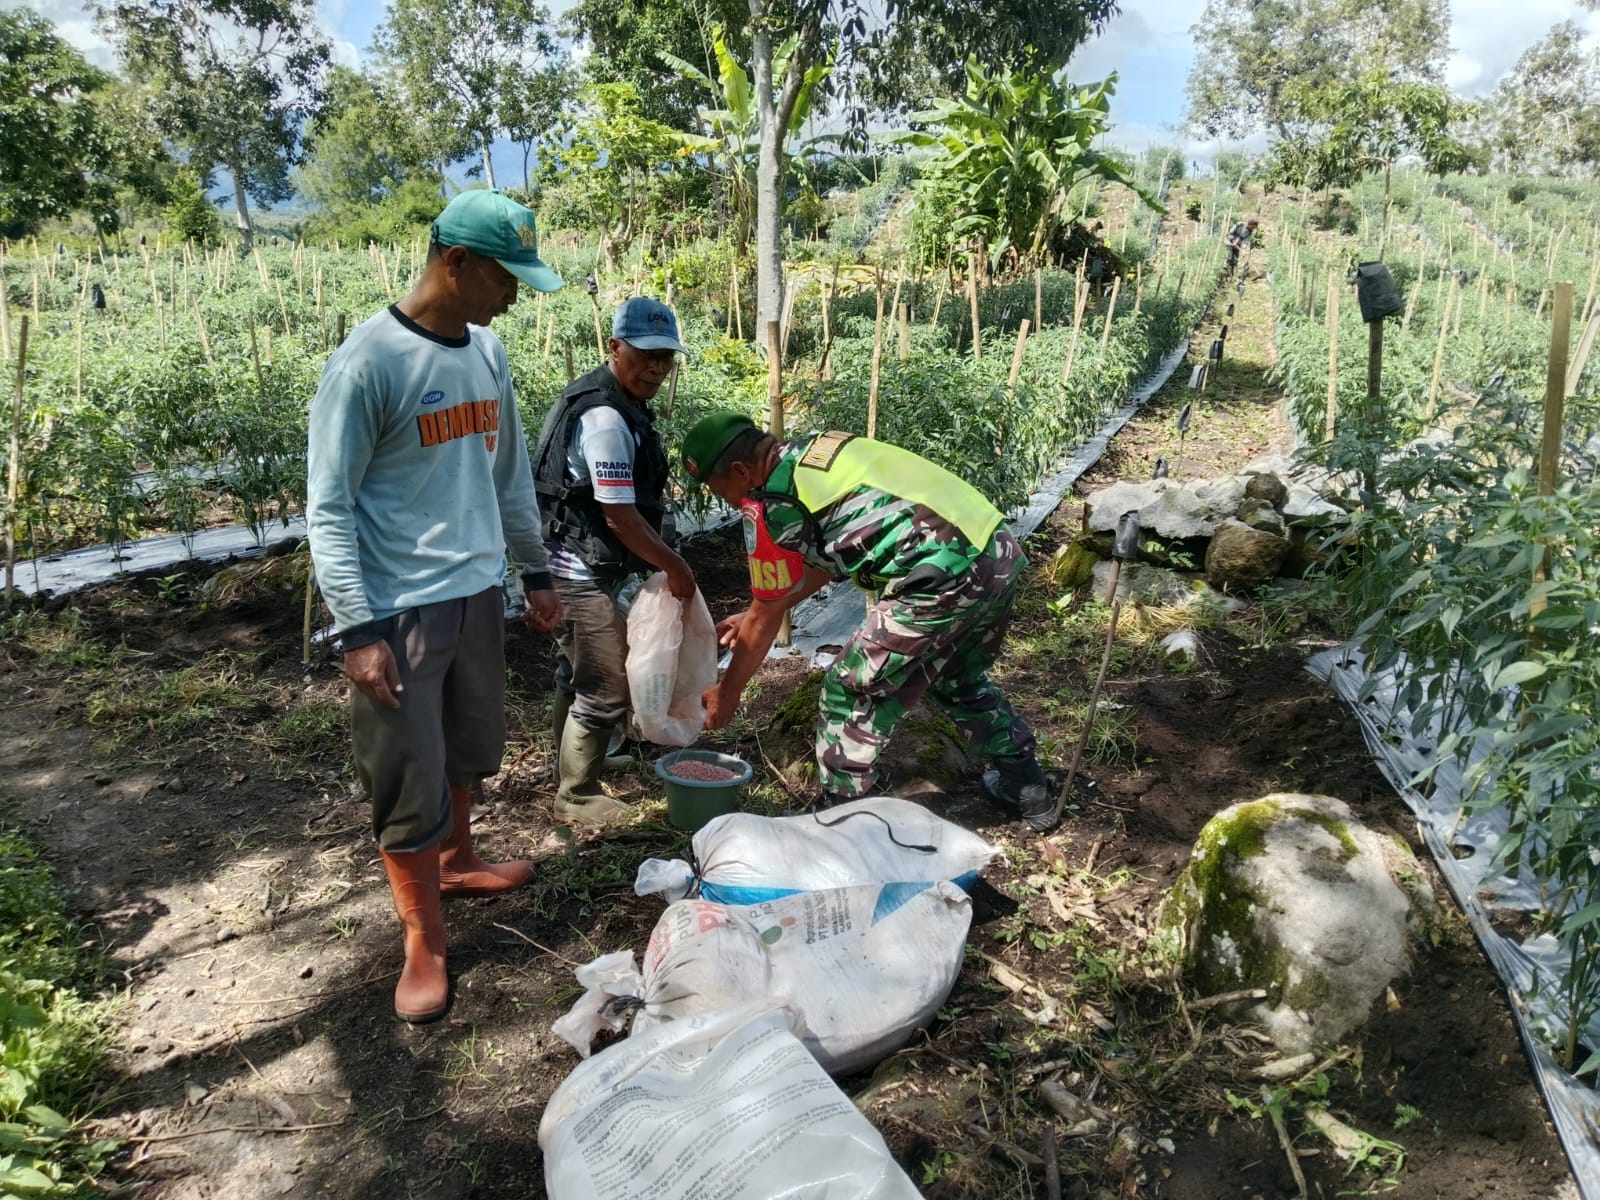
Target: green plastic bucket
(693,802)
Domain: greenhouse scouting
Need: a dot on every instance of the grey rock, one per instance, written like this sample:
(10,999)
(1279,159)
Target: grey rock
(1266,486)
(1259,514)
(1290,893)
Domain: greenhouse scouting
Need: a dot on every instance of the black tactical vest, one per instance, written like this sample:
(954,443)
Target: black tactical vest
(572,515)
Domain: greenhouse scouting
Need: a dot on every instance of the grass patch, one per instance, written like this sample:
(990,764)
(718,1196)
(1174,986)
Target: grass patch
(53,1031)
(215,693)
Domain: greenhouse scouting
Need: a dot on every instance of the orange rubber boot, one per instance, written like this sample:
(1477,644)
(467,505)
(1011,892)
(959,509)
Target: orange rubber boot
(423,992)
(461,871)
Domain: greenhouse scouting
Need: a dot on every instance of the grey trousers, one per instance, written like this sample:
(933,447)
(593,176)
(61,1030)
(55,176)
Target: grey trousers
(592,653)
(450,728)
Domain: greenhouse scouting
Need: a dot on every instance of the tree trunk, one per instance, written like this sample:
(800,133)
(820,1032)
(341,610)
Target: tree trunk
(488,162)
(769,175)
(1383,229)
(241,208)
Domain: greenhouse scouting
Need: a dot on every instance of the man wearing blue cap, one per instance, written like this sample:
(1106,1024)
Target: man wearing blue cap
(417,481)
(601,474)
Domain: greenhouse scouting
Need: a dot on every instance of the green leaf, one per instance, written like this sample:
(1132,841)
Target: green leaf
(1516,673)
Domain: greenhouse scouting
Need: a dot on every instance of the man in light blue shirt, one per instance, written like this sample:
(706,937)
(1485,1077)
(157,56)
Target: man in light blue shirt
(418,481)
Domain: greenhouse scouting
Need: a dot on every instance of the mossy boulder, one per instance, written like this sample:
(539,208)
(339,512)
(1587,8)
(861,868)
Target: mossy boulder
(1291,894)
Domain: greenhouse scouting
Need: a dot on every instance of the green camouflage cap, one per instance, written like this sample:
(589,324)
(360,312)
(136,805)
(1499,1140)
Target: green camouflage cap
(709,437)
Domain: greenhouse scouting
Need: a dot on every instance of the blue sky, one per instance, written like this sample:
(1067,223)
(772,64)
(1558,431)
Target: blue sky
(1149,45)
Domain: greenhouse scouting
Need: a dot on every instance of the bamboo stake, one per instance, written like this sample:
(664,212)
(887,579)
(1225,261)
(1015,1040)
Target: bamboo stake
(1333,353)
(877,362)
(550,337)
(1038,297)
(5,320)
(1081,300)
(14,458)
(1555,385)
(972,297)
(283,308)
(77,356)
(903,351)
(1581,358)
(255,358)
(1411,302)
(1438,349)
(1111,312)
(1588,299)
(205,342)
(1016,355)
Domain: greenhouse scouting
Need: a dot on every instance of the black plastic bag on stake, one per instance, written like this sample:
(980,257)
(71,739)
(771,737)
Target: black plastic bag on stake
(1161,469)
(1377,292)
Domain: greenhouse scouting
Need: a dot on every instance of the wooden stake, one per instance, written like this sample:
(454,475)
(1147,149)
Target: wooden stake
(5,321)
(283,308)
(877,362)
(1038,297)
(903,351)
(1080,301)
(1333,353)
(1111,312)
(205,342)
(972,297)
(1581,358)
(1555,384)
(255,357)
(14,458)
(566,350)
(1016,355)
(1438,349)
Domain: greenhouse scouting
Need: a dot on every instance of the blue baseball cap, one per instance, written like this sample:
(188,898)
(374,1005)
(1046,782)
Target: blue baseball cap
(496,226)
(647,324)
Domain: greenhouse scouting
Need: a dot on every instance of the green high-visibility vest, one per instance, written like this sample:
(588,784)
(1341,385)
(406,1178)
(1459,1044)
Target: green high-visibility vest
(836,464)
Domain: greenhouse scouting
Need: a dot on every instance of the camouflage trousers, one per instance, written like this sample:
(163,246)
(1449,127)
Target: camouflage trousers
(937,648)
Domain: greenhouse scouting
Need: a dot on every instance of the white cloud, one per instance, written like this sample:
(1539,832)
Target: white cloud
(1489,36)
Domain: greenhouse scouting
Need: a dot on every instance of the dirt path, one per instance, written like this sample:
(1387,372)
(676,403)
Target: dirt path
(190,780)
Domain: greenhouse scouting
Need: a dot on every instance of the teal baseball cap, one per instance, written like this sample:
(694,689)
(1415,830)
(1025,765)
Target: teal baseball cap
(647,324)
(494,225)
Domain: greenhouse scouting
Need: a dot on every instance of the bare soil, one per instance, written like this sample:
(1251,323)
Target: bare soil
(190,780)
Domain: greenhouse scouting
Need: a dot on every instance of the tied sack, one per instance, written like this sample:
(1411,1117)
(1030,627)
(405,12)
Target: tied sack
(672,660)
(726,1105)
(863,968)
(745,858)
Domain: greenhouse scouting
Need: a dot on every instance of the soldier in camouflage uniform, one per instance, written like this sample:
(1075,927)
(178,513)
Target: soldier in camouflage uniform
(940,563)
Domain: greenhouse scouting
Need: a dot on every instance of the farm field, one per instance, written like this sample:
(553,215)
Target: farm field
(189,778)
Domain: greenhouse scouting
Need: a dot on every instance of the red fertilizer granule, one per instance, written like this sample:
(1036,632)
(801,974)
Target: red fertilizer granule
(701,772)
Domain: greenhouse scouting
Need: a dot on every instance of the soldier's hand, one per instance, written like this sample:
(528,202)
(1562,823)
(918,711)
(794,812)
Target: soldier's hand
(680,579)
(728,628)
(545,610)
(375,673)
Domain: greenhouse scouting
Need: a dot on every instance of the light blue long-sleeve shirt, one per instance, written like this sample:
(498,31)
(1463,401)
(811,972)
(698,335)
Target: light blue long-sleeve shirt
(417,473)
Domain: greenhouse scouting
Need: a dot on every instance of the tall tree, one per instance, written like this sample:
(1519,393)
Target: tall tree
(461,62)
(55,142)
(610,152)
(360,147)
(910,46)
(629,39)
(1366,124)
(233,82)
(1255,59)
(1545,115)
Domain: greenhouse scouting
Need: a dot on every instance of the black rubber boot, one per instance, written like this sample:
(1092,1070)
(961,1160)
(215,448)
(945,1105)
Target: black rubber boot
(1022,786)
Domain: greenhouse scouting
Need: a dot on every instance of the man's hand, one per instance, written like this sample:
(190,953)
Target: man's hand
(719,712)
(680,579)
(728,628)
(545,610)
(375,673)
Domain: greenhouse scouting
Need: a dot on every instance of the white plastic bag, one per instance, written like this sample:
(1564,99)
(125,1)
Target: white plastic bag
(865,967)
(725,1104)
(603,980)
(672,660)
(749,859)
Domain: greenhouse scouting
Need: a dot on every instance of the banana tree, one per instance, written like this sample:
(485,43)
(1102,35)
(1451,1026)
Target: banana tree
(733,122)
(1008,153)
